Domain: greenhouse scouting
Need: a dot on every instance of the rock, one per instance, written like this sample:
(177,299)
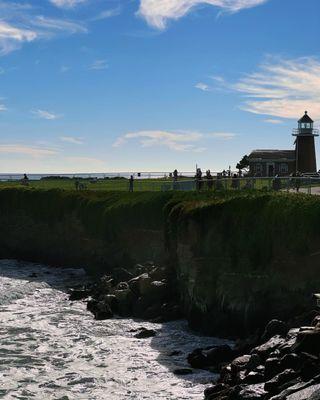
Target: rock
(252,392)
(79,294)
(203,358)
(217,392)
(183,371)
(267,348)
(100,310)
(290,361)
(272,368)
(274,327)
(158,274)
(240,363)
(170,312)
(308,340)
(125,300)
(273,385)
(253,377)
(121,275)
(140,285)
(145,333)
(122,286)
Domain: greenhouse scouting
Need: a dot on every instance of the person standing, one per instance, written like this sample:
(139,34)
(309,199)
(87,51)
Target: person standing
(131,183)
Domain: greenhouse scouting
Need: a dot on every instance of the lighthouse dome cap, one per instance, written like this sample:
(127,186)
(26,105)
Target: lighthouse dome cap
(306,118)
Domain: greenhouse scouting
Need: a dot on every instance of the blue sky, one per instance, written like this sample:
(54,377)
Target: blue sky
(153,85)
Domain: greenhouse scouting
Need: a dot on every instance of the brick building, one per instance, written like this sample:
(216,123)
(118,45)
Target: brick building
(285,162)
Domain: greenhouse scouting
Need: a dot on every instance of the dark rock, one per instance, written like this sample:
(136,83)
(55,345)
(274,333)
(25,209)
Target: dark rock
(203,358)
(273,385)
(158,274)
(79,294)
(290,361)
(125,300)
(267,348)
(121,275)
(100,310)
(170,312)
(274,327)
(240,363)
(252,392)
(308,340)
(214,390)
(183,371)
(253,378)
(272,368)
(145,333)
(304,319)
(122,286)
(33,275)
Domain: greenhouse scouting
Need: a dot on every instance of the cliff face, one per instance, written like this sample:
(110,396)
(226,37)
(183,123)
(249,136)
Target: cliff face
(240,260)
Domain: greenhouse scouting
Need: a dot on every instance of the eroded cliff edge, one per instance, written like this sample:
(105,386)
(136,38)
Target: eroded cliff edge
(239,259)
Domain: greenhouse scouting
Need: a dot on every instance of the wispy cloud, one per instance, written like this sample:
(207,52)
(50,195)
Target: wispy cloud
(273,121)
(11,37)
(67,3)
(177,141)
(98,65)
(158,12)
(54,25)
(33,151)
(283,88)
(44,114)
(71,139)
(222,135)
(109,13)
(202,86)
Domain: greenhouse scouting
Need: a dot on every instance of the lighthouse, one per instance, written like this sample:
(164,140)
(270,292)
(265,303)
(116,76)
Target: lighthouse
(305,145)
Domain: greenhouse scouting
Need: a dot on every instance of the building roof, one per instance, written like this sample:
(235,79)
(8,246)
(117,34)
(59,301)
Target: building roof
(272,155)
(306,118)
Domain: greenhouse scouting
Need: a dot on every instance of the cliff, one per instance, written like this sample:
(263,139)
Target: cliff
(239,259)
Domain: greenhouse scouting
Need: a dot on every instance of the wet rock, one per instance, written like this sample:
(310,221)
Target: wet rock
(140,285)
(183,371)
(308,340)
(273,328)
(122,286)
(290,361)
(267,348)
(252,392)
(100,310)
(145,333)
(175,353)
(170,312)
(158,274)
(246,362)
(253,377)
(273,385)
(272,368)
(125,300)
(121,275)
(203,358)
(79,294)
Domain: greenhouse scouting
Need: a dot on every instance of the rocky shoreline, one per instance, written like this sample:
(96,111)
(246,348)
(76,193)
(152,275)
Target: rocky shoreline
(280,363)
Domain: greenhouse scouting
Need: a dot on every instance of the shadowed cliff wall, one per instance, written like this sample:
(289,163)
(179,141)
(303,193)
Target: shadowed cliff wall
(240,259)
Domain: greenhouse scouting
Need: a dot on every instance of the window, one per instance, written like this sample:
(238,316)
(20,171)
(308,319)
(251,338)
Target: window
(284,168)
(258,168)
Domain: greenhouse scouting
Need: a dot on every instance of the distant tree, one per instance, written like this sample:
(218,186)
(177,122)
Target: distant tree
(243,163)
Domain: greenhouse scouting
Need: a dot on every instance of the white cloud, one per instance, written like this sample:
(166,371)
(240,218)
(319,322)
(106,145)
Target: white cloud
(283,88)
(157,12)
(54,25)
(202,86)
(43,114)
(223,135)
(273,121)
(3,107)
(67,3)
(32,151)
(71,139)
(98,65)
(177,141)
(11,37)
(112,12)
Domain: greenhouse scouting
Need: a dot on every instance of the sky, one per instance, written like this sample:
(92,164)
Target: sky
(153,85)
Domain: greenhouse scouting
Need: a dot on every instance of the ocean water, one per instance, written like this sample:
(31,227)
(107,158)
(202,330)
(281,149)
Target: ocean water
(51,348)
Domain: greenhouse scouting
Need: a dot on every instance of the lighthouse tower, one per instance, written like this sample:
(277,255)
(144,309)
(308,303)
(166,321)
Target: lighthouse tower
(305,146)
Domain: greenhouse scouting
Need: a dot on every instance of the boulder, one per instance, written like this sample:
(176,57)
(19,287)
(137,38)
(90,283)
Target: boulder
(79,294)
(274,327)
(121,275)
(267,348)
(252,392)
(290,361)
(145,333)
(100,310)
(140,285)
(308,341)
(274,384)
(170,312)
(125,300)
(272,368)
(204,358)
(158,274)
